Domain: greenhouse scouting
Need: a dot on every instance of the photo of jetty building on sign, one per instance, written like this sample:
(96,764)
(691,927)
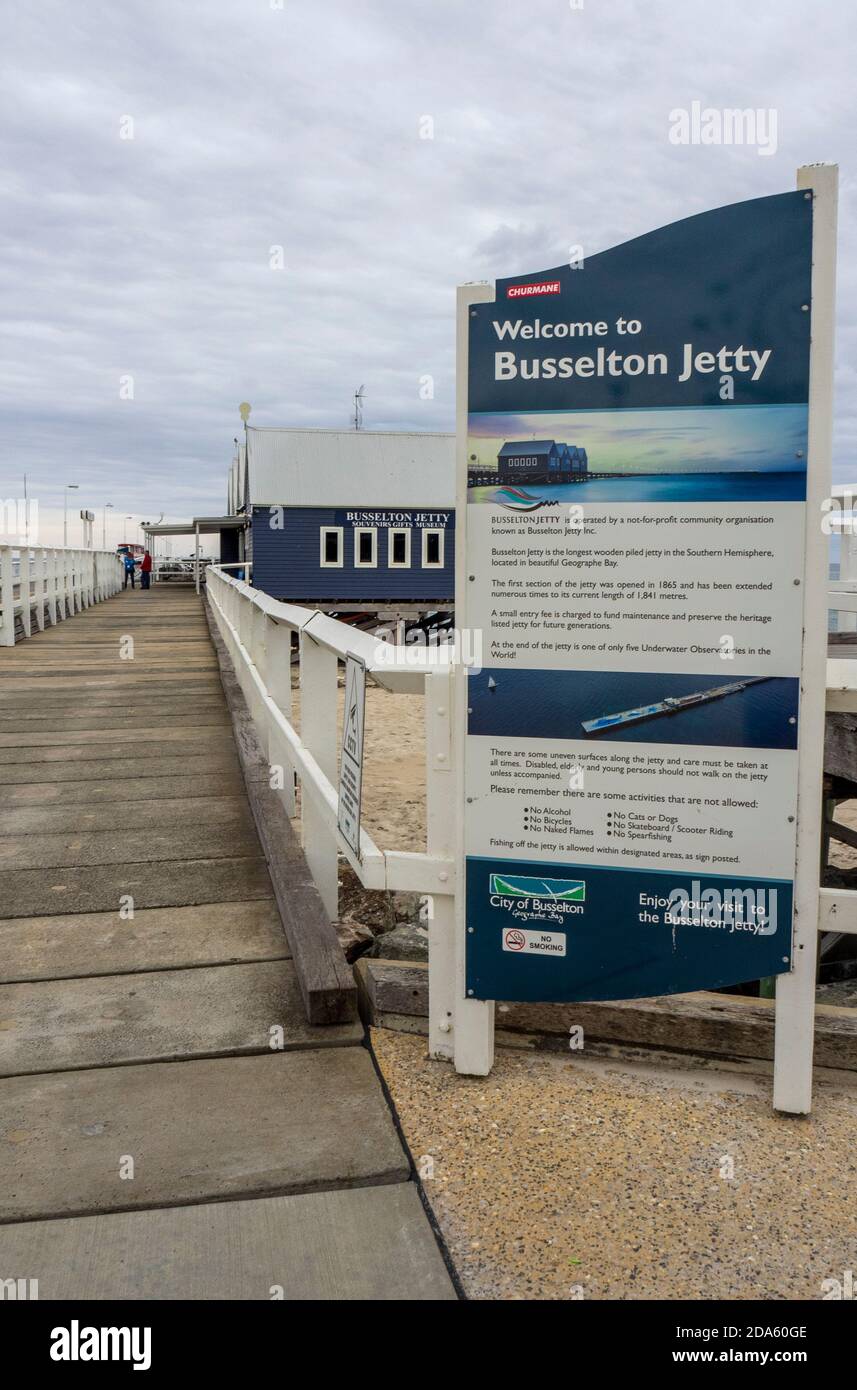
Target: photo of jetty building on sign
(729,453)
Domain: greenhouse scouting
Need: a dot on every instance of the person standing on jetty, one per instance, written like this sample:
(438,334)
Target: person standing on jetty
(128,561)
(145,570)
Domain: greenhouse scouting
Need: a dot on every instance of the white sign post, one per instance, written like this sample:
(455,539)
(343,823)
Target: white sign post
(351,760)
(795,999)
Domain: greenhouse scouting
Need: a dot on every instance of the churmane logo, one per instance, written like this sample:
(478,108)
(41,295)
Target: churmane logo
(535,287)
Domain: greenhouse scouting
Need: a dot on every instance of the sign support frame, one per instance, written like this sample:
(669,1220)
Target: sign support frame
(473,1027)
(795,991)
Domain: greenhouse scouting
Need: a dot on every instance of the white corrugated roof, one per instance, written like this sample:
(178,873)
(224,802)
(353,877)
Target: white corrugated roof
(350,468)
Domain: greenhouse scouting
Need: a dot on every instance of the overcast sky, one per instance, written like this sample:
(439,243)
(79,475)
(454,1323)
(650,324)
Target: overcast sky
(257,127)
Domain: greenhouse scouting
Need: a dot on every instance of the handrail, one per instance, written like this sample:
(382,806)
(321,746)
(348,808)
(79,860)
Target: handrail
(257,631)
(59,581)
(401,668)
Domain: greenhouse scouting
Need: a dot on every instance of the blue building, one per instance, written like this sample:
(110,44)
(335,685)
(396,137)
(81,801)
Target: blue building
(540,461)
(349,519)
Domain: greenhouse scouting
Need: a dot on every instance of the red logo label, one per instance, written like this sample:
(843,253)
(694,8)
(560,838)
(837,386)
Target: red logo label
(537,287)
(515,940)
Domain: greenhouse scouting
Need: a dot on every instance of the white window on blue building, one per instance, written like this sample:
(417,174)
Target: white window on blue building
(365,547)
(432,549)
(330,542)
(399,548)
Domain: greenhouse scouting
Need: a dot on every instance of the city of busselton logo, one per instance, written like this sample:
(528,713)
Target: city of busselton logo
(569,890)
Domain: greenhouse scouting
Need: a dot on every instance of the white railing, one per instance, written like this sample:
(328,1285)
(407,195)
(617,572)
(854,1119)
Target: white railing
(258,631)
(43,584)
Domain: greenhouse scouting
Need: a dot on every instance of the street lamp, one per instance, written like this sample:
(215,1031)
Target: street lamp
(69,487)
(108,506)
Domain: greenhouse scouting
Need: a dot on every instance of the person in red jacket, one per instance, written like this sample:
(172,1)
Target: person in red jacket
(146,570)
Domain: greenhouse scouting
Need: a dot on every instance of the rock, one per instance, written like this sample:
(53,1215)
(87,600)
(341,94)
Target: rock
(405,942)
(406,907)
(353,938)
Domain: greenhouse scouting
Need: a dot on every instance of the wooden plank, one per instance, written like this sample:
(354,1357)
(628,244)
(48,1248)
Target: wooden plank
(394,987)
(100,888)
(144,842)
(158,938)
(327,983)
(112,718)
(217,784)
(363,1244)
(159,813)
(120,769)
(212,742)
(197,1131)
(34,742)
(158,1016)
(716,1024)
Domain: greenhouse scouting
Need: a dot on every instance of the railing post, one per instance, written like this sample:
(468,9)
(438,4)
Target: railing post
(440,841)
(39,576)
(259,657)
(59,558)
(319,669)
(278,645)
(24,587)
(244,629)
(7,630)
(52,586)
(75,604)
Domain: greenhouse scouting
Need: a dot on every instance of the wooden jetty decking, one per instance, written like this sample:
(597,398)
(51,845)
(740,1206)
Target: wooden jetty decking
(153,1144)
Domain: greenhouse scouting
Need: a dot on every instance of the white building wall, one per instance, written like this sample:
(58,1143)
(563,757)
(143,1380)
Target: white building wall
(350,468)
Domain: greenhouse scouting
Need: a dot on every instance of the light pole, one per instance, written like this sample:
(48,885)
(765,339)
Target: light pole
(108,506)
(69,487)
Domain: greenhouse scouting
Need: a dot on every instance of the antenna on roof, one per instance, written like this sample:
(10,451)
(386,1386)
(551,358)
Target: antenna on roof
(358,408)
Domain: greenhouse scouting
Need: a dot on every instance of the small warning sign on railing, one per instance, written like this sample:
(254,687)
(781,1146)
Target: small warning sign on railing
(351,759)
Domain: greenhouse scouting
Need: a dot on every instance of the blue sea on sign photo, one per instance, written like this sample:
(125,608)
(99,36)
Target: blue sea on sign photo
(750,713)
(711,454)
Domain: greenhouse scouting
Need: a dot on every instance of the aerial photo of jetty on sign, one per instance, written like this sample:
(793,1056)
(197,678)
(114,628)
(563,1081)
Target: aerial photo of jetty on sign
(728,453)
(738,711)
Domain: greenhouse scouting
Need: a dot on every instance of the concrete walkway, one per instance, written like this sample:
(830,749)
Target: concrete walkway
(153,1048)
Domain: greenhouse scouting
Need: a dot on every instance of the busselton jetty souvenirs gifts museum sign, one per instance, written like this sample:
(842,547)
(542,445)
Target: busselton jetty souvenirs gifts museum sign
(635,567)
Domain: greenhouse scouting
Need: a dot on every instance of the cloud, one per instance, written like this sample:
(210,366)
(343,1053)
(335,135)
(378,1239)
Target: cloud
(256,128)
